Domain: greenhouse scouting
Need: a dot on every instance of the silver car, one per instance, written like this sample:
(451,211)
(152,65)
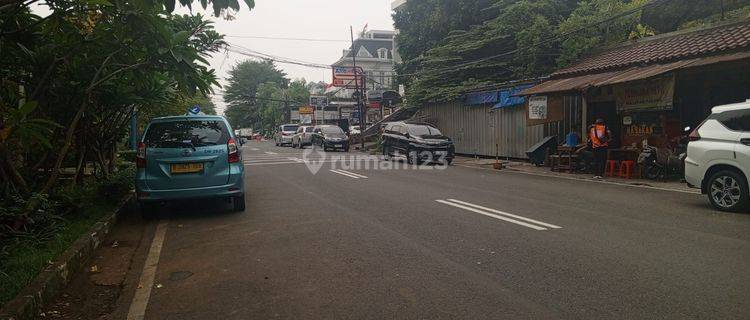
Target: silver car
(284,134)
(301,138)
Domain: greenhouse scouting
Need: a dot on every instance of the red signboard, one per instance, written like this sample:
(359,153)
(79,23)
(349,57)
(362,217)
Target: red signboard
(344,77)
(374,105)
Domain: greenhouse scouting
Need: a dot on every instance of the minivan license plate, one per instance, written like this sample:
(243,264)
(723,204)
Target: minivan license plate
(187,167)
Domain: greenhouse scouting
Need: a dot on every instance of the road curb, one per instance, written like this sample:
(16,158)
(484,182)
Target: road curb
(542,174)
(53,279)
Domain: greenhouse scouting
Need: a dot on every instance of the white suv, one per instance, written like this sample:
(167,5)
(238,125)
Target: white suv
(718,157)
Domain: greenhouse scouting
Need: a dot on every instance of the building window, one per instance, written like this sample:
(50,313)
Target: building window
(364,53)
(382,53)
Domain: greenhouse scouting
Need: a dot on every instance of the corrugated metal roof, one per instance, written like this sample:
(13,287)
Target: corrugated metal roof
(568,84)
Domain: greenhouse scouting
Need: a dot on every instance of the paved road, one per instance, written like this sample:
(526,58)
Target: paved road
(447,244)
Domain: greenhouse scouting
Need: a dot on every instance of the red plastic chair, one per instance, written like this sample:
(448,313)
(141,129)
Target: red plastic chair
(609,168)
(626,169)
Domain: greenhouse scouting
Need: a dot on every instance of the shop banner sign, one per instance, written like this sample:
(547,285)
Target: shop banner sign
(538,108)
(345,77)
(306,110)
(649,95)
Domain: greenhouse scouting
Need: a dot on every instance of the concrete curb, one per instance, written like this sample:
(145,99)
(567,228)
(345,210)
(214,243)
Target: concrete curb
(53,279)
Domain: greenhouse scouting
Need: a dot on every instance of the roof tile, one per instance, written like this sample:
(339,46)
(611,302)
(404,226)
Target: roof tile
(664,48)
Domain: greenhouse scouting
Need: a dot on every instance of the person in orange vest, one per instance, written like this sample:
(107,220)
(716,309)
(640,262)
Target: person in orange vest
(599,137)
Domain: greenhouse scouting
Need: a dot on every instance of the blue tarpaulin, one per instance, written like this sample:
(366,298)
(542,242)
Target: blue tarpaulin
(481,97)
(508,97)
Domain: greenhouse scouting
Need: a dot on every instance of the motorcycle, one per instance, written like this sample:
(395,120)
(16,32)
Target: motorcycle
(658,164)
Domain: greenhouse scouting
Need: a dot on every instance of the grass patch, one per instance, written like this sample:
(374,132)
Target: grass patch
(23,260)
(30,241)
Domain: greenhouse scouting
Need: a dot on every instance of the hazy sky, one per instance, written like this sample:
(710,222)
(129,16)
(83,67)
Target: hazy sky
(315,19)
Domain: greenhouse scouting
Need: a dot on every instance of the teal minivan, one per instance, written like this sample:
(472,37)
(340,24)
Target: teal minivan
(189,157)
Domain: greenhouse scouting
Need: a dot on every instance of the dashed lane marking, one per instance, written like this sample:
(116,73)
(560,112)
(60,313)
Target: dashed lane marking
(500,215)
(348,174)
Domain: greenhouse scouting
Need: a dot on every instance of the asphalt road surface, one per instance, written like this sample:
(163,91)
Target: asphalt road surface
(442,243)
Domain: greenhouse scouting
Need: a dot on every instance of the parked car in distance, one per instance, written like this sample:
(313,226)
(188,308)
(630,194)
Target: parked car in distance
(418,142)
(189,157)
(718,157)
(330,137)
(302,137)
(284,134)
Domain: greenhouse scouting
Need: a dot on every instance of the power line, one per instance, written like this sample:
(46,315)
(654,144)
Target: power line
(285,39)
(260,55)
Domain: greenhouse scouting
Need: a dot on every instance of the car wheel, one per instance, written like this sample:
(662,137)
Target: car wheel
(728,191)
(239,203)
(448,162)
(386,153)
(412,157)
(149,210)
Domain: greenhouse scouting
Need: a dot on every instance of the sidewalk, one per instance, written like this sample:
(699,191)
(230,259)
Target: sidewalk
(528,168)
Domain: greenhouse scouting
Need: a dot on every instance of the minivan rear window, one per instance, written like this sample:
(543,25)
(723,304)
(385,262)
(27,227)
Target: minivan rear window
(187,133)
(289,128)
(332,130)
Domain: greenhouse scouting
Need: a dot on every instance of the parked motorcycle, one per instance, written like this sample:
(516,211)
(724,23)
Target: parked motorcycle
(658,164)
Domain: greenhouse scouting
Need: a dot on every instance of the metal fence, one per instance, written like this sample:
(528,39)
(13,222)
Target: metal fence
(477,129)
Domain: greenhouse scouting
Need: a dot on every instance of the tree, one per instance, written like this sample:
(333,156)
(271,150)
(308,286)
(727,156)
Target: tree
(459,63)
(589,12)
(84,68)
(243,83)
(424,24)
(675,15)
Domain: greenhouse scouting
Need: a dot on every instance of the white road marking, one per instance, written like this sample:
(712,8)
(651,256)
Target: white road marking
(528,225)
(352,173)
(345,173)
(254,149)
(271,163)
(270,152)
(137,309)
(270,160)
(552,226)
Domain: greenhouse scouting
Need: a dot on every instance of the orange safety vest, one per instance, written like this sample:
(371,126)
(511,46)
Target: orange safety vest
(597,133)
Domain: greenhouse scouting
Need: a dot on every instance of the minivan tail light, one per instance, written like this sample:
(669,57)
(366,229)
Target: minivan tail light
(694,135)
(140,155)
(234,151)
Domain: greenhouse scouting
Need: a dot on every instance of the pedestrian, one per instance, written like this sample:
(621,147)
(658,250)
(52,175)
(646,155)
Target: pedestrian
(599,136)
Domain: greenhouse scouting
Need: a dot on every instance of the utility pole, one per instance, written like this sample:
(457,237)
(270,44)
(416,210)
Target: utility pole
(362,116)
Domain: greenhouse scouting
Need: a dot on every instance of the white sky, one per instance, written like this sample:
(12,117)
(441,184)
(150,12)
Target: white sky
(316,19)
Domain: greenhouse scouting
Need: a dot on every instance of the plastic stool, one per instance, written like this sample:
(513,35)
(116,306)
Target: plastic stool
(626,169)
(609,168)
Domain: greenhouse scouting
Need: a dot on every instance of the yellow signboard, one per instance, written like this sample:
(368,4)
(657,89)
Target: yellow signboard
(306,110)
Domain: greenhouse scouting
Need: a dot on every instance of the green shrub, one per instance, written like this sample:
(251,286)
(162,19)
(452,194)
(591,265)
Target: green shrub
(118,184)
(38,226)
(127,155)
